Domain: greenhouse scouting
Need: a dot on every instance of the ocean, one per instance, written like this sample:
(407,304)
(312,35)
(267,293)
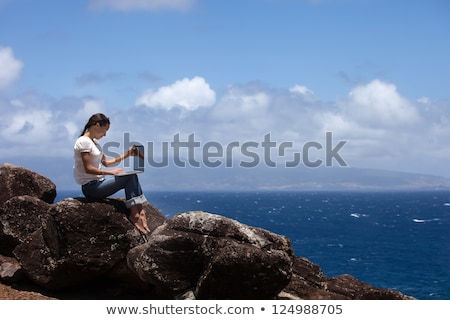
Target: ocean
(397,240)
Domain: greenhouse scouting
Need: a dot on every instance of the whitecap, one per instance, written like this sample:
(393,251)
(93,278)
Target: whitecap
(355,215)
(339,245)
(447,204)
(426,220)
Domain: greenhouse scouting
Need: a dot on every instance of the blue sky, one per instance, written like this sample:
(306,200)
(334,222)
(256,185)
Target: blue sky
(373,72)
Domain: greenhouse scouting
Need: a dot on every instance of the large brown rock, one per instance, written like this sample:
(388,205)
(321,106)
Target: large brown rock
(78,241)
(19,181)
(216,257)
(19,217)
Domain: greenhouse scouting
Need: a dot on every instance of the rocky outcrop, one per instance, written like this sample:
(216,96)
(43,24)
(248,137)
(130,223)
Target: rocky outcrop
(77,242)
(18,181)
(216,257)
(72,244)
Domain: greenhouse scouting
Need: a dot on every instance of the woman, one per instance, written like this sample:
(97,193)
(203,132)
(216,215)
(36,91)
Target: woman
(88,171)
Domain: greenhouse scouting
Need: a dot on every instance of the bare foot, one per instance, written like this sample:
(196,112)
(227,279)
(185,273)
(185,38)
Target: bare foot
(138,223)
(143,217)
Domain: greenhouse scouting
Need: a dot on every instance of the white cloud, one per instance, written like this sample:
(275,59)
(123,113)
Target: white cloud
(36,125)
(303,91)
(374,118)
(378,104)
(239,104)
(90,106)
(130,5)
(10,67)
(74,123)
(424,100)
(386,130)
(188,94)
(372,110)
(27,127)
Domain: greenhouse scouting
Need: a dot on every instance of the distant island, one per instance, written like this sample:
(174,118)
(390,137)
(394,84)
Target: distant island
(264,178)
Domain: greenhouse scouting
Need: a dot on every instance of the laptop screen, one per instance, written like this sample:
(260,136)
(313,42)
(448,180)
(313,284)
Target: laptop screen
(139,160)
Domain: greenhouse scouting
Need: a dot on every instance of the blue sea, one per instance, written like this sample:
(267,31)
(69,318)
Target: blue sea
(397,240)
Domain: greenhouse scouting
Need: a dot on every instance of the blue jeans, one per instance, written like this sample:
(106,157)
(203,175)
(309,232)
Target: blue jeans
(100,189)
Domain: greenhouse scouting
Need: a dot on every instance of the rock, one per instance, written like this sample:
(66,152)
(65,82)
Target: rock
(307,282)
(354,289)
(218,257)
(10,270)
(19,217)
(19,181)
(77,242)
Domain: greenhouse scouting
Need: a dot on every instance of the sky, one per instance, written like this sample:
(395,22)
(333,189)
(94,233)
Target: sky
(373,73)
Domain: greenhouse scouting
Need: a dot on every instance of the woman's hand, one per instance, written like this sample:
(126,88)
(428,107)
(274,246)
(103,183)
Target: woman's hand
(134,151)
(116,171)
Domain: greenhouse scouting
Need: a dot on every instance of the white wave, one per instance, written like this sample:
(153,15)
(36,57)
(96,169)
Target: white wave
(447,204)
(358,215)
(426,220)
(339,245)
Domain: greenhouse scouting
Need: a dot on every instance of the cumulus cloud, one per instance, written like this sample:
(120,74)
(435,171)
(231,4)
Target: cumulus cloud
(308,94)
(131,5)
(373,109)
(188,94)
(10,67)
(389,131)
(378,104)
(237,103)
(384,129)
(36,125)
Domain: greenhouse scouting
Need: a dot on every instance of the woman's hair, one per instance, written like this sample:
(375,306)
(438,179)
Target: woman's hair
(99,118)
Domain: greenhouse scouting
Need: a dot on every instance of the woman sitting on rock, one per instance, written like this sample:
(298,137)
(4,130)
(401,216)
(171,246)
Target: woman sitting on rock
(88,171)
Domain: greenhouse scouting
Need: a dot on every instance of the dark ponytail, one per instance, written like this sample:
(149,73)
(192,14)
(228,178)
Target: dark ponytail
(99,118)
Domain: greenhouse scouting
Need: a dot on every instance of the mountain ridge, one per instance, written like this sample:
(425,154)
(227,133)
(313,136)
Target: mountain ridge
(292,179)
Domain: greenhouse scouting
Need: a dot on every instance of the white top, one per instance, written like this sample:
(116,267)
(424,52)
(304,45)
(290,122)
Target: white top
(85,144)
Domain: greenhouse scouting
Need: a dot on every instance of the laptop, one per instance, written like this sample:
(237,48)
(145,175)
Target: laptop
(138,163)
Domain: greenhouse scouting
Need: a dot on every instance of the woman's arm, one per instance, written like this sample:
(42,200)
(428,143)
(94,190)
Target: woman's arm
(133,151)
(89,168)
(112,161)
